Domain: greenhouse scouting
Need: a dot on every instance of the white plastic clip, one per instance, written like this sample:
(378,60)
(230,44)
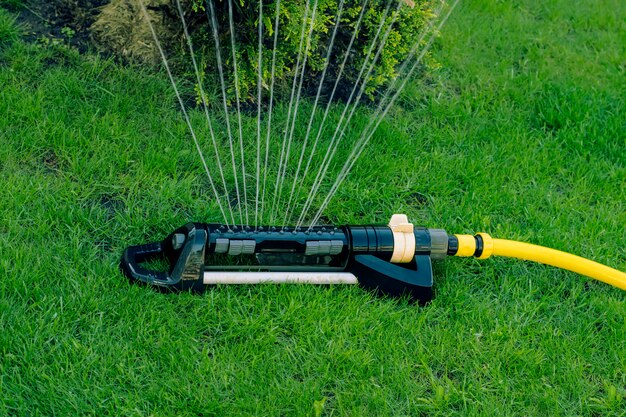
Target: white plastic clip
(403,239)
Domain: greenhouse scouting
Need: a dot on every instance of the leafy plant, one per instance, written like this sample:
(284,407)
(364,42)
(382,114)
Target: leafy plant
(410,21)
(68,32)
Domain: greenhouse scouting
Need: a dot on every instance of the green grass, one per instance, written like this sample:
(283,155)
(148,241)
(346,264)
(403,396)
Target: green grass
(521,134)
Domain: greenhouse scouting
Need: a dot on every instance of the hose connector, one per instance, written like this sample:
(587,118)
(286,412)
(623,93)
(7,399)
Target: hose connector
(479,245)
(487,242)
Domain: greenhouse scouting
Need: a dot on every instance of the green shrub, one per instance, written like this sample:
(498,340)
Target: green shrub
(410,22)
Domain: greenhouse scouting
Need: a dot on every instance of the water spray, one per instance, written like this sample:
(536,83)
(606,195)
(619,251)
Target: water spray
(394,260)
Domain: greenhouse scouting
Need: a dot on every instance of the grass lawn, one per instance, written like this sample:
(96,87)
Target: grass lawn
(521,134)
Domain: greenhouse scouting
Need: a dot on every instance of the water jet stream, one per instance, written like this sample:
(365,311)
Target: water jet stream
(218,56)
(182,107)
(360,145)
(204,104)
(271,105)
(341,125)
(237,100)
(292,113)
(317,97)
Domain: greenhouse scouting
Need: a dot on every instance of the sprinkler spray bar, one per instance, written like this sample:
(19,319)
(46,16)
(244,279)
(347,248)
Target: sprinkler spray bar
(393,259)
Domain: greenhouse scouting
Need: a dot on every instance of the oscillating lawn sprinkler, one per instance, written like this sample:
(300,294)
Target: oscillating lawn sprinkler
(393,259)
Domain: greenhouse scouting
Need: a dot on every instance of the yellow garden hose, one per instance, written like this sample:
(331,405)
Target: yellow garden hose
(468,246)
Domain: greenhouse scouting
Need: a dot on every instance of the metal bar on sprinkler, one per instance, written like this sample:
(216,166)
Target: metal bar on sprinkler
(318,278)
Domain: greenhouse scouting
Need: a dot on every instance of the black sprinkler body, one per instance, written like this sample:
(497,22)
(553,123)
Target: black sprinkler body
(393,260)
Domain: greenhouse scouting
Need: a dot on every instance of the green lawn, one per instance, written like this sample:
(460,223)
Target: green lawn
(521,134)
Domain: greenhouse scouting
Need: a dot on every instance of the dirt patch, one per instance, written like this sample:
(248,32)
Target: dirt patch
(111,26)
(69,20)
(418,200)
(111,205)
(51,161)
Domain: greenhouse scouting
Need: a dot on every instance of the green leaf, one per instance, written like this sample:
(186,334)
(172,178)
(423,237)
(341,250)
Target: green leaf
(318,406)
(268,25)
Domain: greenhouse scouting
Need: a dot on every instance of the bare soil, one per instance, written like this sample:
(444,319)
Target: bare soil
(110,26)
(61,19)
